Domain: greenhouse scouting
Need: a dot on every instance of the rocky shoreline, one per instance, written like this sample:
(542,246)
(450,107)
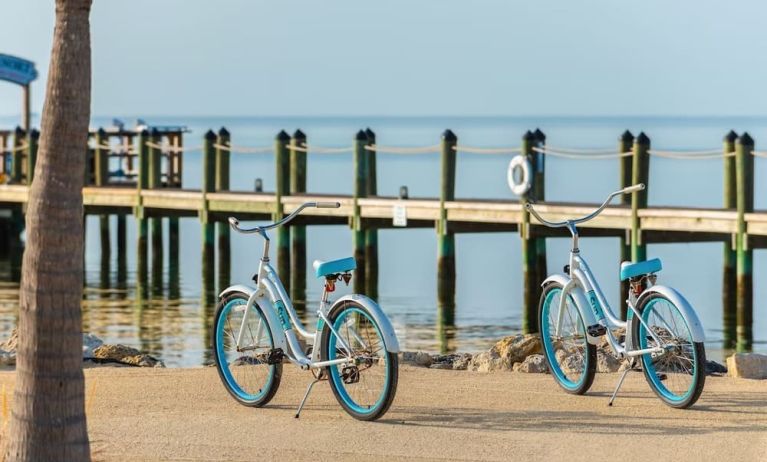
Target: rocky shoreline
(95,353)
(524,353)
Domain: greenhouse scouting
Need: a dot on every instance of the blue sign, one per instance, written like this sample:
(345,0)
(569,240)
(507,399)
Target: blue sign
(17,70)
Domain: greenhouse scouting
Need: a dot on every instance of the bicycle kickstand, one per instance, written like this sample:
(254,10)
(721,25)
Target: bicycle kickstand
(620,382)
(303,401)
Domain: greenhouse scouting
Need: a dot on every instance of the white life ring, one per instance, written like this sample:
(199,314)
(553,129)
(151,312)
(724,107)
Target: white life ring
(524,184)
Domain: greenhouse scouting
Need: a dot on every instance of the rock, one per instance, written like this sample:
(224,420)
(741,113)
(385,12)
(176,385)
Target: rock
(461,362)
(607,363)
(407,357)
(714,368)
(126,355)
(487,361)
(445,365)
(570,364)
(90,342)
(534,364)
(516,348)
(423,359)
(747,366)
(506,352)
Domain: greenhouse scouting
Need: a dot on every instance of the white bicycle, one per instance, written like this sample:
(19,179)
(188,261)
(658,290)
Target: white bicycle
(354,346)
(661,327)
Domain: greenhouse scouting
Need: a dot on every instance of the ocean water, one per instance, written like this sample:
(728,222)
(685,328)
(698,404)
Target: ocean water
(174,323)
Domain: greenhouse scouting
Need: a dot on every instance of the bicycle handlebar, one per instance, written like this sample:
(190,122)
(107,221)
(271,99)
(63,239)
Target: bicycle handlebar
(235,223)
(561,224)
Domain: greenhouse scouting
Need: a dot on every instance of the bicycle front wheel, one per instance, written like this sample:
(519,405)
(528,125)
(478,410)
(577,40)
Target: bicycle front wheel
(678,373)
(245,368)
(365,386)
(571,358)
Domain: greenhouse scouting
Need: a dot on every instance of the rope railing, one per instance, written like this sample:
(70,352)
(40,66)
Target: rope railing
(244,149)
(691,155)
(170,148)
(403,149)
(582,155)
(21,147)
(481,150)
(762,154)
(580,150)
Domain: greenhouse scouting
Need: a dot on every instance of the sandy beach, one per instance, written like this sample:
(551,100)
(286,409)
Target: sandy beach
(140,414)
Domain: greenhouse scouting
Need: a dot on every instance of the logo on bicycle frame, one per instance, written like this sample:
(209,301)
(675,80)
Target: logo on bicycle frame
(283,314)
(595,306)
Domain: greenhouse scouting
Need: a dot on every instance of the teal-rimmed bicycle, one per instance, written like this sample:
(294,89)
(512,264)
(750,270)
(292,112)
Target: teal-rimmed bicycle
(256,329)
(662,333)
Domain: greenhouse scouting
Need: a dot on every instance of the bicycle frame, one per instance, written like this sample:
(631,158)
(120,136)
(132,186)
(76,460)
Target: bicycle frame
(285,326)
(583,289)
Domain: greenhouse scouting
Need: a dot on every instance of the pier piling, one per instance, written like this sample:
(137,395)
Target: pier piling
(298,232)
(32,142)
(529,250)
(371,233)
(155,223)
(539,192)
(222,184)
(744,178)
(445,236)
(729,282)
(101,156)
(142,228)
(625,144)
(208,230)
(361,177)
(640,172)
(282,188)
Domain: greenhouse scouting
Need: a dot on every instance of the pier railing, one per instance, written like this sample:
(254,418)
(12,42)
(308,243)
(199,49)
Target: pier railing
(140,173)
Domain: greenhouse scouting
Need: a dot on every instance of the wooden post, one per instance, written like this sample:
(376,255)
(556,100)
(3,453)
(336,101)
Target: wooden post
(298,232)
(222,184)
(744,179)
(640,173)
(142,183)
(729,281)
(625,144)
(19,136)
(529,249)
(155,182)
(101,157)
(282,188)
(26,109)
(539,192)
(32,141)
(360,191)
(208,231)
(122,257)
(446,237)
(371,234)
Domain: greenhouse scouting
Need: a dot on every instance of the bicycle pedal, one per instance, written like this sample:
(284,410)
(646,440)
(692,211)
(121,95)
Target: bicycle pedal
(596,330)
(275,356)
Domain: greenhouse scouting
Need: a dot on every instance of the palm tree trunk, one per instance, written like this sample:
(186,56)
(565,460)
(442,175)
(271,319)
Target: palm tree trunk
(48,419)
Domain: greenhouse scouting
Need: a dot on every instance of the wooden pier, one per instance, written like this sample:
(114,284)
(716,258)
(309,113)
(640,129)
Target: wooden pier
(148,186)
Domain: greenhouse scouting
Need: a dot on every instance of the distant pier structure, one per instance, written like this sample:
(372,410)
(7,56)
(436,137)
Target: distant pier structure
(138,173)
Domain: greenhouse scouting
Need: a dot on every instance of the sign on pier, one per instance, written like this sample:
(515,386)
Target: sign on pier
(17,70)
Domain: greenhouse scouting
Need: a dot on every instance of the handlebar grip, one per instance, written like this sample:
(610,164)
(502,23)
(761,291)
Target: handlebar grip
(234,222)
(632,189)
(328,205)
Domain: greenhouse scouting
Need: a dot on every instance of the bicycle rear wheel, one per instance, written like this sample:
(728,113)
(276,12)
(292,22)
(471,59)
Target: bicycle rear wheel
(571,358)
(366,386)
(245,370)
(678,374)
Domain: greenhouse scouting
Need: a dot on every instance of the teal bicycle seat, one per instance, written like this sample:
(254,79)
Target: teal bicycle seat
(631,270)
(324,268)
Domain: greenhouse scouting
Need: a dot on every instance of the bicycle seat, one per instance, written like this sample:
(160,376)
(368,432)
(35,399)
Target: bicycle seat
(632,270)
(324,268)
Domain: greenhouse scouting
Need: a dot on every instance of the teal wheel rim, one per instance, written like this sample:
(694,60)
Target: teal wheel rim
(226,329)
(674,374)
(573,376)
(351,397)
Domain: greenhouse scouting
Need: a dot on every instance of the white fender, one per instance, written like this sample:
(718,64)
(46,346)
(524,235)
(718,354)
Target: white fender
(688,313)
(263,302)
(387,331)
(581,302)
(523,186)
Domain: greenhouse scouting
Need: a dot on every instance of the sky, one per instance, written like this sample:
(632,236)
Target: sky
(408,58)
